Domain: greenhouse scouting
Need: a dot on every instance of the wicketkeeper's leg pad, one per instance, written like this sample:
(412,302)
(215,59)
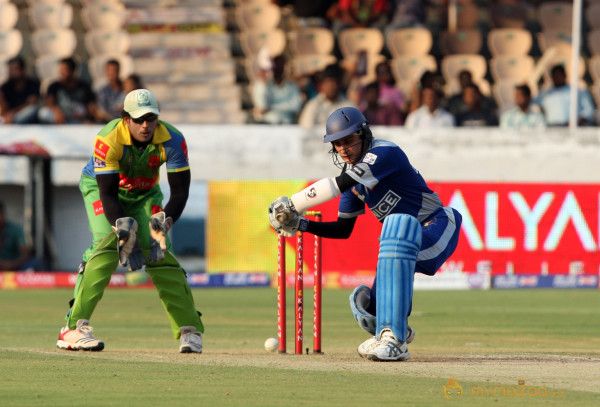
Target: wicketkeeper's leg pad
(399,246)
(359,304)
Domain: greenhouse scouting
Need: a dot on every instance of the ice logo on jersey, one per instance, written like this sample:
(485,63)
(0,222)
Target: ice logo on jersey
(385,206)
(370,158)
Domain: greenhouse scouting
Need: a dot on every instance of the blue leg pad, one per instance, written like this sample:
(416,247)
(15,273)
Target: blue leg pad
(399,246)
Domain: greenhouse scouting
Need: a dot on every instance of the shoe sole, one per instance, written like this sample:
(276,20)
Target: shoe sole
(402,358)
(67,346)
(187,349)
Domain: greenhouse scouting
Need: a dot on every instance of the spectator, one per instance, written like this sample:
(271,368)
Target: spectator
(389,94)
(15,254)
(277,100)
(376,113)
(476,114)
(555,101)
(456,104)
(360,13)
(427,80)
(330,98)
(131,83)
(523,116)
(430,114)
(68,100)
(19,95)
(310,13)
(111,96)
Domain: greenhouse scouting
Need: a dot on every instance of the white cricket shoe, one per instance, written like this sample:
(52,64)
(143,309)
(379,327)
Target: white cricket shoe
(79,338)
(368,345)
(388,348)
(190,340)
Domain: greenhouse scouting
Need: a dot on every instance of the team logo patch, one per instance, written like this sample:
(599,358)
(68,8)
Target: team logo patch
(184,149)
(430,222)
(143,99)
(101,149)
(358,171)
(98,163)
(98,208)
(385,206)
(154,161)
(312,193)
(156,209)
(370,158)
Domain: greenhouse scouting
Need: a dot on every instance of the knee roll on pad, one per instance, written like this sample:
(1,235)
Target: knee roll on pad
(359,303)
(399,246)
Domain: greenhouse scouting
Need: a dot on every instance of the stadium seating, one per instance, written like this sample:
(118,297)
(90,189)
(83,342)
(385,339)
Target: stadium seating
(106,41)
(257,16)
(592,15)
(9,14)
(593,40)
(58,42)
(409,41)
(555,15)
(351,41)
(452,65)
(508,15)
(509,41)
(552,37)
(373,60)
(594,69)
(309,64)
(50,16)
(408,69)
(103,15)
(311,40)
(252,41)
(460,42)
(97,65)
(11,43)
(467,16)
(517,68)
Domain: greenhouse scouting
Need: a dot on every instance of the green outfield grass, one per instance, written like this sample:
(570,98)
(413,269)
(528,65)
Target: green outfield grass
(487,341)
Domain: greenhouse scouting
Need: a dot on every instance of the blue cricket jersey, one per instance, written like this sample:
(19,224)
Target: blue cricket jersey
(388,183)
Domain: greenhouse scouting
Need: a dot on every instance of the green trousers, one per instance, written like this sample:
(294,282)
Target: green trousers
(102,259)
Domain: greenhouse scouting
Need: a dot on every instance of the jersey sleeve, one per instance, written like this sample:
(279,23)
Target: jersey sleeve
(176,153)
(106,155)
(351,204)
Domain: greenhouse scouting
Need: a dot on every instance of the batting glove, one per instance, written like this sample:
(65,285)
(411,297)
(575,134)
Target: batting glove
(159,226)
(130,253)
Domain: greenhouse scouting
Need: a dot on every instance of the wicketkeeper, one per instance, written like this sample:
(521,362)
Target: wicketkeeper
(123,200)
(419,234)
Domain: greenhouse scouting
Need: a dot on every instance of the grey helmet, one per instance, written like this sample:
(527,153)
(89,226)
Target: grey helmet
(345,121)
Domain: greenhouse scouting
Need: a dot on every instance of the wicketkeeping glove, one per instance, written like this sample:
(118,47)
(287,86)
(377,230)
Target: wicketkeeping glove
(130,253)
(283,211)
(159,226)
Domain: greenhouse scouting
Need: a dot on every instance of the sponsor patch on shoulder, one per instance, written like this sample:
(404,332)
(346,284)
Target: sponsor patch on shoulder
(370,158)
(358,171)
(98,163)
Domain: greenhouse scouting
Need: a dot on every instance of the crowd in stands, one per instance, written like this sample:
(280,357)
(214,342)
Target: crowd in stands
(279,96)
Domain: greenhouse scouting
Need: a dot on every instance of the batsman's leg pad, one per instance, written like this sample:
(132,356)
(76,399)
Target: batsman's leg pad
(359,304)
(399,246)
(175,294)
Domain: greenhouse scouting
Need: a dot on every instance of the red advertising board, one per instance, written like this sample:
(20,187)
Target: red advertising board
(507,228)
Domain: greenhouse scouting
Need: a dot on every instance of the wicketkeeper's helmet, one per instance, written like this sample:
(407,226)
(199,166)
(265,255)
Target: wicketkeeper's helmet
(344,122)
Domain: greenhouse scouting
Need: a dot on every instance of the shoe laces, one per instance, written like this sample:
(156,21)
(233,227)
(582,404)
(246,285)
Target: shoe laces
(86,330)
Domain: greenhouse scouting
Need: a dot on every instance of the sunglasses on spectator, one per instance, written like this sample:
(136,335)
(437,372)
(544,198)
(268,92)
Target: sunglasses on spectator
(140,120)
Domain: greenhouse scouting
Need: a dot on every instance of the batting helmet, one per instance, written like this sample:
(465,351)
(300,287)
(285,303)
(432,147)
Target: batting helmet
(344,122)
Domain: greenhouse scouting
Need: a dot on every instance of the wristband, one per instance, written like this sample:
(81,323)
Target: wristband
(303,225)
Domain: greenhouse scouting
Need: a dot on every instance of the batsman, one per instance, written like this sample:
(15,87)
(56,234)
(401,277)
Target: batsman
(419,233)
(123,201)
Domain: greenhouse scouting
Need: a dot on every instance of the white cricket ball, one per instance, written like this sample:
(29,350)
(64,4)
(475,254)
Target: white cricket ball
(271,344)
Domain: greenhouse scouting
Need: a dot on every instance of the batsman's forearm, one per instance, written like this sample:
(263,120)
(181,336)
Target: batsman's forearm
(341,229)
(315,194)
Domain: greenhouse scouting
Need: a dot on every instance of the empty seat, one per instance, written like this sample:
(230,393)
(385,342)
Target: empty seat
(467,16)
(408,69)
(552,37)
(372,61)
(594,69)
(592,15)
(593,38)
(11,43)
(509,41)
(257,16)
(554,14)
(517,68)
(451,66)
(103,41)
(46,66)
(354,40)
(503,92)
(110,16)
(506,15)
(312,40)
(409,41)
(460,42)
(9,15)
(309,64)
(50,16)
(57,42)
(252,41)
